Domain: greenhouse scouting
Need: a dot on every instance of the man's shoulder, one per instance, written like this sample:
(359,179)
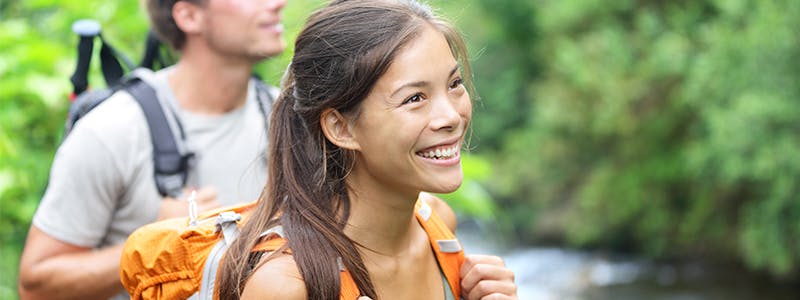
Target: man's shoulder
(118,112)
(118,118)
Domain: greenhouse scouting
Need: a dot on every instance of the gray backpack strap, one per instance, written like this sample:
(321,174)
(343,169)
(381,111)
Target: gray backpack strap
(265,95)
(226,224)
(170,166)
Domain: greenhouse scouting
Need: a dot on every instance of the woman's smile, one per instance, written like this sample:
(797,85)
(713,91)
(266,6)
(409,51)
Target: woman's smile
(442,155)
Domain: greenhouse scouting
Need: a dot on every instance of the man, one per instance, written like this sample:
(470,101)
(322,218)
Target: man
(102,185)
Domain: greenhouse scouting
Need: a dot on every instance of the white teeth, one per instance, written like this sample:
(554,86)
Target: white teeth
(440,153)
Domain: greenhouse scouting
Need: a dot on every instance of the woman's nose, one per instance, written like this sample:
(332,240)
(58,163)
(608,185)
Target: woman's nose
(446,114)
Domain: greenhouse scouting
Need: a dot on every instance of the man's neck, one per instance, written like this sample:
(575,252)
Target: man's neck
(209,85)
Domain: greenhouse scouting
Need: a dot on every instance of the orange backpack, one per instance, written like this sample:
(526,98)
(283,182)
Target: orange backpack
(179,259)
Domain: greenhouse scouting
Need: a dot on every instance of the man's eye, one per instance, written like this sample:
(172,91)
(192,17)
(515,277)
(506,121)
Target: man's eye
(415,98)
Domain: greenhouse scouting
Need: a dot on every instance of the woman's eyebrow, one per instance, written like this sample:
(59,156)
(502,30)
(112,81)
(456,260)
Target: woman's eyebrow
(418,84)
(454,70)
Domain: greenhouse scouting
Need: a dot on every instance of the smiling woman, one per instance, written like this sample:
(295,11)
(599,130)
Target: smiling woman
(374,111)
(409,141)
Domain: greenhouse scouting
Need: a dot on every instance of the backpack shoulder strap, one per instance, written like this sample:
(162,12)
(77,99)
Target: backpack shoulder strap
(271,240)
(447,248)
(170,166)
(265,95)
(349,289)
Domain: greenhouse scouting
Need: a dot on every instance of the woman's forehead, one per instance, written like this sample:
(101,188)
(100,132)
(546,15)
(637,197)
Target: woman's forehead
(426,58)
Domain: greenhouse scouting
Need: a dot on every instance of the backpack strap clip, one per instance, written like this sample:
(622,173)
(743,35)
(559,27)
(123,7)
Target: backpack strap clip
(226,222)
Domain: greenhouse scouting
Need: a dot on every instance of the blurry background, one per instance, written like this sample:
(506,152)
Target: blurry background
(631,149)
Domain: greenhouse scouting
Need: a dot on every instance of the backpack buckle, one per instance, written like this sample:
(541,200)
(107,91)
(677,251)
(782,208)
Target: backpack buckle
(226,222)
(228,217)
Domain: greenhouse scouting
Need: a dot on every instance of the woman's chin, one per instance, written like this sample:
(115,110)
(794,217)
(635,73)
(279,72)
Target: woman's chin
(446,187)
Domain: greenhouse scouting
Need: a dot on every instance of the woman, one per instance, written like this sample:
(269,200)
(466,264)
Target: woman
(374,111)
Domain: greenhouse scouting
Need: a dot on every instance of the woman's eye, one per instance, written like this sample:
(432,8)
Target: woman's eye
(415,98)
(456,83)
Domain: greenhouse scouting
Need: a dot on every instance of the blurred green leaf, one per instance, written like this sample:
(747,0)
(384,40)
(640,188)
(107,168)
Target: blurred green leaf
(471,198)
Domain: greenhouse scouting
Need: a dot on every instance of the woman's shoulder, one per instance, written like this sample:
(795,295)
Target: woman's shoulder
(277,278)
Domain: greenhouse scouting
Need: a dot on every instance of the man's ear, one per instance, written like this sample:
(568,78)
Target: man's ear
(337,129)
(188,17)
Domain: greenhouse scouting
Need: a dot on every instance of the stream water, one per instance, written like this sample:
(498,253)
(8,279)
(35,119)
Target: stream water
(562,274)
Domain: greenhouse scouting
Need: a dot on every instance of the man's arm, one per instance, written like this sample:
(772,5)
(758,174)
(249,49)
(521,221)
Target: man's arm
(61,259)
(52,269)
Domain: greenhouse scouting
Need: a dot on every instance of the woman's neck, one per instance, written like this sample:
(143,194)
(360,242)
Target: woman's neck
(381,220)
(394,247)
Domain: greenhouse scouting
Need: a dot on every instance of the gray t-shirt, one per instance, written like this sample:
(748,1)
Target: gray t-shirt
(101,184)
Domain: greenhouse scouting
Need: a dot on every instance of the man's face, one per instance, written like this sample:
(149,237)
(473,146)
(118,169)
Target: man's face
(250,29)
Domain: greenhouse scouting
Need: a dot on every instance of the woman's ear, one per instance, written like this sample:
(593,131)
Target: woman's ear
(188,17)
(337,129)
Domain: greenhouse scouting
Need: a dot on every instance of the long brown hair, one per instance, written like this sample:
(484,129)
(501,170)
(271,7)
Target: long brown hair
(339,55)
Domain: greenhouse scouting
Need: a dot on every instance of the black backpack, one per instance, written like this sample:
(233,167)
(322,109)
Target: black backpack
(170,165)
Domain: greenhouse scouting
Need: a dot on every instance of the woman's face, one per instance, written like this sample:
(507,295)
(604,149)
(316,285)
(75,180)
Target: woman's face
(411,126)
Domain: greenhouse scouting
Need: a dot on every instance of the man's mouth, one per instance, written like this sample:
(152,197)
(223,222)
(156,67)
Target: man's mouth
(273,27)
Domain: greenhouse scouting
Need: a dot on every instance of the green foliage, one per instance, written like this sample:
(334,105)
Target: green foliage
(472,199)
(748,124)
(28,131)
(663,127)
(500,39)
